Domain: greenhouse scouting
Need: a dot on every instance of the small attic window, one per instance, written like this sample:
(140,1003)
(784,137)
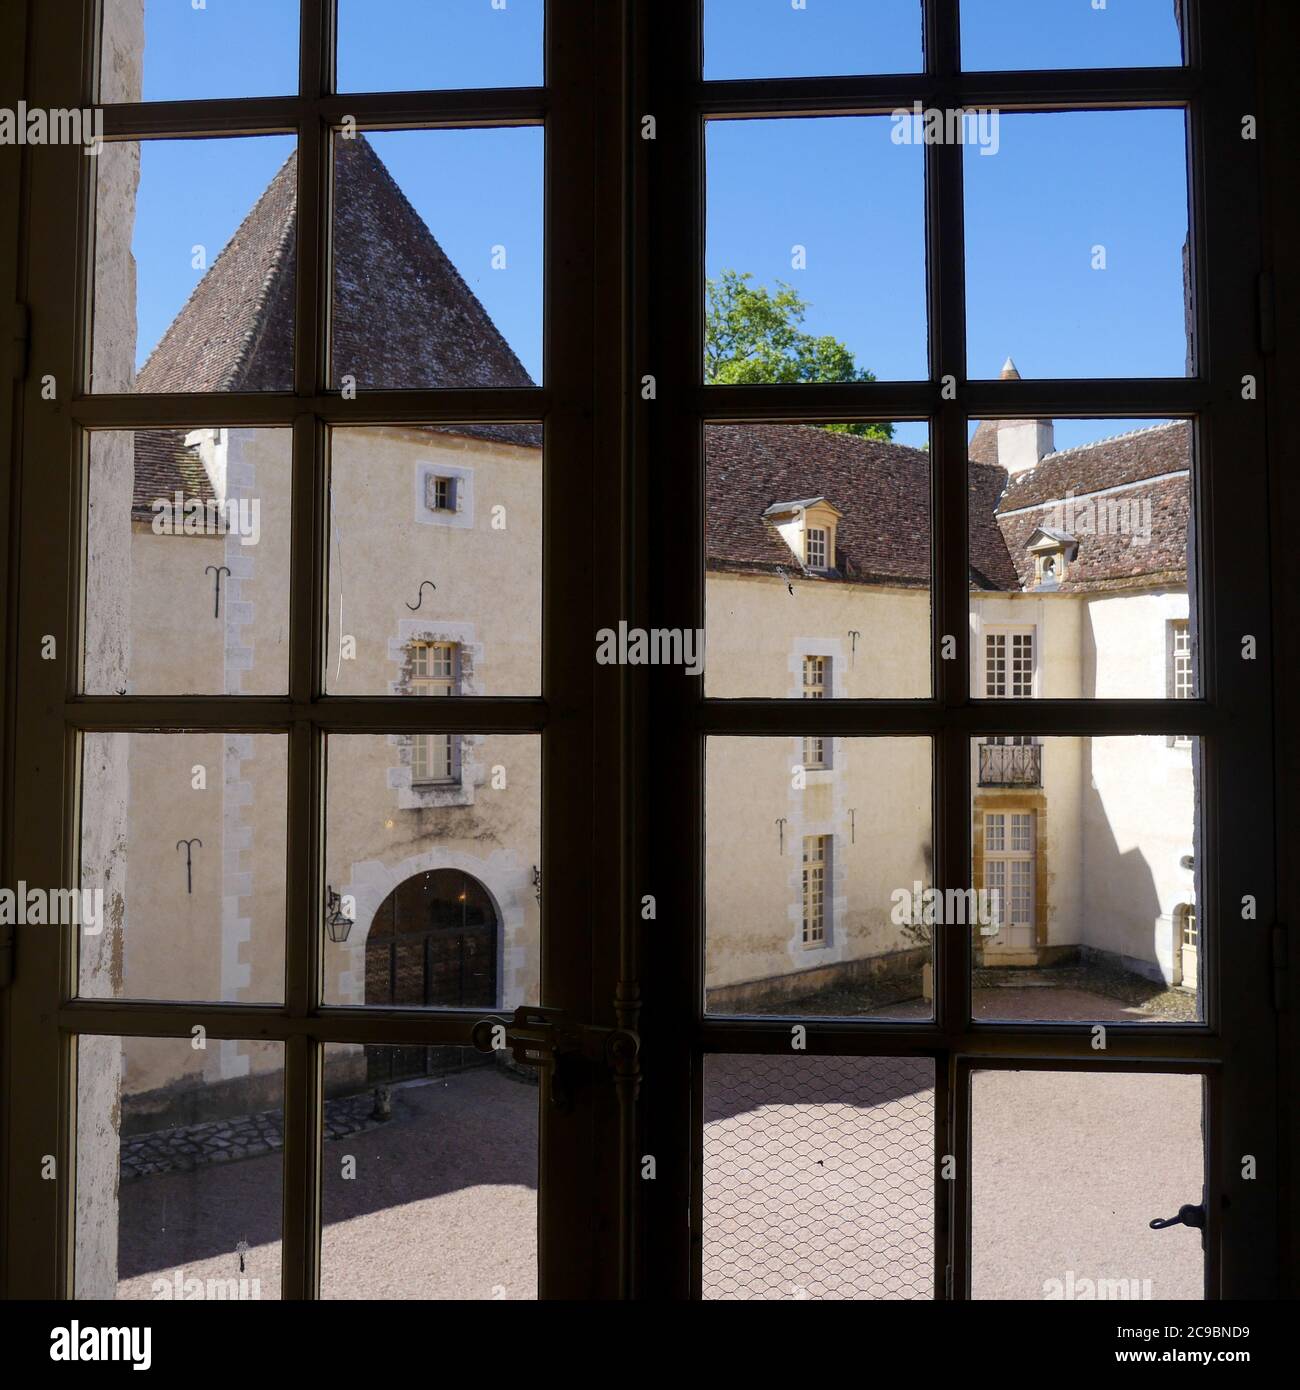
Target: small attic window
(439,493)
(1052,551)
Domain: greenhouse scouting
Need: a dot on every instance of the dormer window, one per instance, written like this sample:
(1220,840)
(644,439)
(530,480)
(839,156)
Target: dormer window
(1052,553)
(808,526)
(814,547)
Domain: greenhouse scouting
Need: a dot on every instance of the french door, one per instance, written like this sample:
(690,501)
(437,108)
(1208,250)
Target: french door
(196,1090)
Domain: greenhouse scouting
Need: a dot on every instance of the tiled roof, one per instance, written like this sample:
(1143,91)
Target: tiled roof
(1126,500)
(403,317)
(883,490)
(163,467)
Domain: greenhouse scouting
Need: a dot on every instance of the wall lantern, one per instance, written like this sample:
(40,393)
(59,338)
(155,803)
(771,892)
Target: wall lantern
(337,923)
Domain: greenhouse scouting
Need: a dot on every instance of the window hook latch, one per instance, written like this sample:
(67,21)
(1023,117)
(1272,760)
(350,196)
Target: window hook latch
(1188,1215)
(542,1038)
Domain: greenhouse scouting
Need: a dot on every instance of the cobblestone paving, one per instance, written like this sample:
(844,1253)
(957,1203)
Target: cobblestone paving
(187,1147)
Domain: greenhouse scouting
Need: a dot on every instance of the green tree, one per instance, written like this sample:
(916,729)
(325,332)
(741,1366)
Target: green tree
(753,336)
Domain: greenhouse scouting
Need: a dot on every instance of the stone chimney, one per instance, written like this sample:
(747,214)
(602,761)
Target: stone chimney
(1022,444)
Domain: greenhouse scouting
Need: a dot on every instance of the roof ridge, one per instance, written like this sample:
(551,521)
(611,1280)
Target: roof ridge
(275,267)
(1110,439)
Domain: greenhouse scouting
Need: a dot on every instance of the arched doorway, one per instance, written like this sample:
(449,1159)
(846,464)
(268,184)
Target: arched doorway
(432,944)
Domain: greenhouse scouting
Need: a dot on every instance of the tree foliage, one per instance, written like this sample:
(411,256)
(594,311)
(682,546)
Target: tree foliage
(755,336)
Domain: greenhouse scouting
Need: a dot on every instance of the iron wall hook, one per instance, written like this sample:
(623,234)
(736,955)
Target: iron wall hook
(218,571)
(419,598)
(189,861)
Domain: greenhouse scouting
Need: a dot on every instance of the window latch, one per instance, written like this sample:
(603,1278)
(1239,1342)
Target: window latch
(1188,1215)
(545,1039)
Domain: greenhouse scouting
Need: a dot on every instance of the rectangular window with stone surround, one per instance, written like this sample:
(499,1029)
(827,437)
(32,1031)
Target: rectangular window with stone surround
(434,671)
(816,860)
(816,680)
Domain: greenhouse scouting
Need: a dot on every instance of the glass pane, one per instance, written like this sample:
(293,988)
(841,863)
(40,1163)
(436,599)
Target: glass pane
(183,842)
(185,50)
(435,556)
(774,38)
(413,45)
(178,1168)
(1079,221)
(1068,1169)
(429,1186)
(433,848)
(810,277)
(1082,560)
(1085,861)
(431,290)
(818,1177)
(1004,34)
(817,855)
(817,580)
(187,562)
(194,265)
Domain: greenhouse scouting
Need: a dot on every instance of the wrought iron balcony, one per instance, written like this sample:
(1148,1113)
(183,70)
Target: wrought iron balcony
(1011,764)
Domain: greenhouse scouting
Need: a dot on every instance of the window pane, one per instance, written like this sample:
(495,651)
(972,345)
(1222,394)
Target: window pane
(1068,1169)
(183,842)
(1085,865)
(431,290)
(814,878)
(1082,560)
(837,262)
(168,50)
(438,881)
(178,1168)
(414,45)
(435,560)
(187,562)
(818,550)
(818,1177)
(1004,34)
(429,1187)
(1077,245)
(194,265)
(773,38)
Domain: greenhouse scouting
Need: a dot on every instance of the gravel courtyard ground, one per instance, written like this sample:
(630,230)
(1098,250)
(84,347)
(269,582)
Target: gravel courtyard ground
(818,1184)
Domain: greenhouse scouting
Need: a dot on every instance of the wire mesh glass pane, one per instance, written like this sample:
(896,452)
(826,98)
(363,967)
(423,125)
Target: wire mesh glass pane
(818,1177)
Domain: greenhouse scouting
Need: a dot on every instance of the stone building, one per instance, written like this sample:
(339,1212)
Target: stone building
(817,586)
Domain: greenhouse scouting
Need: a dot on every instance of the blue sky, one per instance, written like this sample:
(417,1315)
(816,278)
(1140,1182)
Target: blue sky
(1059,185)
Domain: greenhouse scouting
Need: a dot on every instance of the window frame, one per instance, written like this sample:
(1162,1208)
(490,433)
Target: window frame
(584,264)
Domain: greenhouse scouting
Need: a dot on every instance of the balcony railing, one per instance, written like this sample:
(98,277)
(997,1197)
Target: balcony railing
(1011,764)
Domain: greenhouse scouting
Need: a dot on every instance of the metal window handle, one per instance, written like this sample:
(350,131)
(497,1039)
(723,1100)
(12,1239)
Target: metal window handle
(1188,1215)
(544,1039)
